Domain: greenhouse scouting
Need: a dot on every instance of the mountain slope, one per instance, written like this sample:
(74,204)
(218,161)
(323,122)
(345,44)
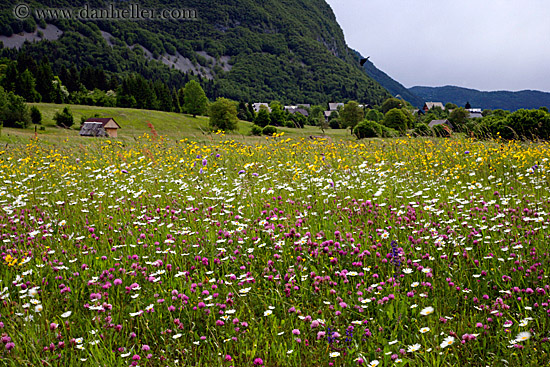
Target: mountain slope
(528,99)
(293,50)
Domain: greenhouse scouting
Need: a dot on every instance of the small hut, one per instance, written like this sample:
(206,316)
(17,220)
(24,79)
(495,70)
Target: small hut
(97,126)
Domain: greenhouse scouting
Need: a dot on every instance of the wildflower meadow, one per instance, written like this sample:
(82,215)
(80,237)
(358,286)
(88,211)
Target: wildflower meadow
(279,252)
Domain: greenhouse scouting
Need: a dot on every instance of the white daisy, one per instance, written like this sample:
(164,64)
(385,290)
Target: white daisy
(447,342)
(413,348)
(426,311)
(523,336)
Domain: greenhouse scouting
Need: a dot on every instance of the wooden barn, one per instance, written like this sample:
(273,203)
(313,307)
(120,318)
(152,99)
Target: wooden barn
(100,126)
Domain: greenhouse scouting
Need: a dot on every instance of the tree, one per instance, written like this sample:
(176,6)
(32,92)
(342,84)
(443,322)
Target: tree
(45,78)
(397,119)
(223,115)
(374,115)
(296,120)
(459,117)
(60,93)
(251,113)
(164,96)
(36,116)
(3,102)
(10,77)
(176,100)
(468,105)
(277,115)
(315,114)
(242,111)
(262,118)
(194,100)
(14,112)
(450,106)
(333,115)
(25,87)
(351,114)
(64,119)
(390,104)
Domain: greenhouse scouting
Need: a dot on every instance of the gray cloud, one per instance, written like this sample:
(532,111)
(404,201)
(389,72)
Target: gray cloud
(481,44)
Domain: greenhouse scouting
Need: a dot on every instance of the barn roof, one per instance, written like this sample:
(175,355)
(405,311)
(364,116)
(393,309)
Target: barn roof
(440,122)
(92,128)
(103,120)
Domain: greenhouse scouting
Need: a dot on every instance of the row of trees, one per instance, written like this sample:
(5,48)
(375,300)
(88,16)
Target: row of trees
(396,117)
(36,82)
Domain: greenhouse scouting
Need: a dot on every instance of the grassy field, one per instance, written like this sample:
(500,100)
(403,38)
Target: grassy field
(134,123)
(292,252)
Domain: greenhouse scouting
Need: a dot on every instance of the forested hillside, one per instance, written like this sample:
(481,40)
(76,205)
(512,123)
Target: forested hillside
(505,100)
(291,51)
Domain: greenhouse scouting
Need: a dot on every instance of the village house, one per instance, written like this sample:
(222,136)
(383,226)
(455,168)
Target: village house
(100,127)
(474,113)
(429,105)
(296,109)
(332,107)
(256,106)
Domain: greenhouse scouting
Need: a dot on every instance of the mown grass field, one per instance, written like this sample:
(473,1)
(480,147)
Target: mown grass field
(277,252)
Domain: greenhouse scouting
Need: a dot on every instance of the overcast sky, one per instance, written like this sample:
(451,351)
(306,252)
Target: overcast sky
(480,44)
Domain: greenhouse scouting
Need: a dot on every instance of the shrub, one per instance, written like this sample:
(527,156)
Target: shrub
(64,119)
(269,130)
(334,123)
(388,132)
(422,129)
(289,123)
(256,130)
(367,129)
